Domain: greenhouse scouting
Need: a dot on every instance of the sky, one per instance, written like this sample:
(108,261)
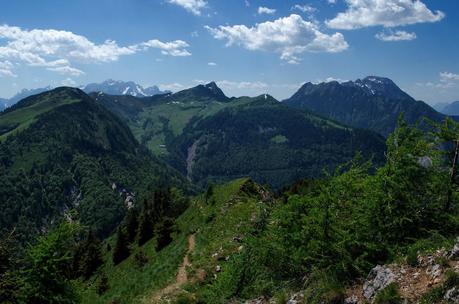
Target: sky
(248,47)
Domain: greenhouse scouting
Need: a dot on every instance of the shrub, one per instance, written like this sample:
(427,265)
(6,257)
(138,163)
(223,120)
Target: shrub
(451,279)
(389,295)
(102,286)
(140,258)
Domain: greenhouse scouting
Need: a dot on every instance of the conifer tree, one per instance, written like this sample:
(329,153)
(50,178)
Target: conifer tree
(145,224)
(132,224)
(121,250)
(91,257)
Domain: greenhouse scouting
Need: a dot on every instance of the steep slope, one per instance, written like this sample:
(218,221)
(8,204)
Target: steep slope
(269,142)
(157,120)
(371,103)
(208,136)
(114,87)
(62,154)
(217,225)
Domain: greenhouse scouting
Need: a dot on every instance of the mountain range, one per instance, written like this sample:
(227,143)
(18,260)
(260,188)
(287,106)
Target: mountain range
(109,86)
(450,108)
(208,136)
(114,87)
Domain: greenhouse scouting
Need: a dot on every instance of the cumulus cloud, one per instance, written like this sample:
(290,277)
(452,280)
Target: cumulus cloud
(6,68)
(266,10)
(304,8)
(289,36)
(193,6)
(387,13)
(56,50)
(66,70)
(395,36)
(448,80)
(448,77)
(173,48)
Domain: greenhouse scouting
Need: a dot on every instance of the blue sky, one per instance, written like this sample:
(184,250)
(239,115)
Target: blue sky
(248,47)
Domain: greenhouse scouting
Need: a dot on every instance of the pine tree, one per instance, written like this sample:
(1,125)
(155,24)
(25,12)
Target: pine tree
(132,224)
(145,224)
(164,231)
(91,256)
(9,278)
(121,250)
(209,192)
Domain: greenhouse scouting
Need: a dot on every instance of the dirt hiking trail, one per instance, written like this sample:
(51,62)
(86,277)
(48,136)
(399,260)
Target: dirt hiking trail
(182,276)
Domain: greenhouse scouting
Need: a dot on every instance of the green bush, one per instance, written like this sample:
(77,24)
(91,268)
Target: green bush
(433,296)
(451,279)
(389,295)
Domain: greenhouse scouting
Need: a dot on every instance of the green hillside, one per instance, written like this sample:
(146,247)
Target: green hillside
(67,155)
(319,237)
(208,136)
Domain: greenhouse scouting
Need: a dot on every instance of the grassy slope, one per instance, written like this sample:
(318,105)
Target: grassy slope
(173,116)
(228,213)
(15,121)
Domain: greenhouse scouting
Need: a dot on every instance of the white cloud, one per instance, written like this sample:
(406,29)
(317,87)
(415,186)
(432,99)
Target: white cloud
(66,70)
(331,1)
(304,8)
(173,48)
(266,10)
(331,79)
(247,3)
(448,77)
(396,36)
(211,64)
(193,6)
(171,86)
(289,36)
(448,80)
(387,13)
(6,68)
(242,85)
(56,50)
(69,82)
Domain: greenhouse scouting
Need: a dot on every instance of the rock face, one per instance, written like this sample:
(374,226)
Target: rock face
(454,255)
(378,279)
(296,298)
(452,295)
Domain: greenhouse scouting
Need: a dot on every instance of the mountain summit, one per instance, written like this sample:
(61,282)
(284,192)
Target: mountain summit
(372,103)
(209,91)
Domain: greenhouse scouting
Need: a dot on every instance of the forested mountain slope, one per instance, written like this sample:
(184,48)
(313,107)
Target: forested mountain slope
(208,136)
(61,153)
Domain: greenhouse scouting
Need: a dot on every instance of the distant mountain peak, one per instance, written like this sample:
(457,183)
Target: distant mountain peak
(118,87)
(372,103)
(204,91)
(370,85)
